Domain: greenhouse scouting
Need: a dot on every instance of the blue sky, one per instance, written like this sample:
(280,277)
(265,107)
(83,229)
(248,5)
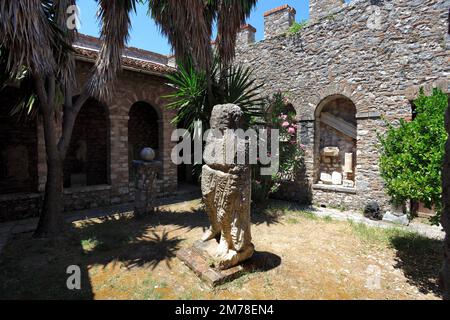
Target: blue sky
(145,34)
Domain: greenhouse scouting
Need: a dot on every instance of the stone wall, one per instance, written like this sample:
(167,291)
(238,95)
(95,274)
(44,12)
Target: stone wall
(378,56)
(320,8)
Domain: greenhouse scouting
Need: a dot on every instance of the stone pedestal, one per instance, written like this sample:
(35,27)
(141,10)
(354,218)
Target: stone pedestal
(201,259)
(145,173)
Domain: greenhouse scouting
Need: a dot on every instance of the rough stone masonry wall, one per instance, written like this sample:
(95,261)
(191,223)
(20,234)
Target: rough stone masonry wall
(376,55)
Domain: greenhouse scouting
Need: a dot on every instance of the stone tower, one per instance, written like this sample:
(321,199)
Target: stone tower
(320,8)
(278,20)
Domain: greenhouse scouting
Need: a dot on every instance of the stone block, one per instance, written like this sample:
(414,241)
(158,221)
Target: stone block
(336,178)
(330,152)
(200,260)
(396,219)
(348,184)
(326,178)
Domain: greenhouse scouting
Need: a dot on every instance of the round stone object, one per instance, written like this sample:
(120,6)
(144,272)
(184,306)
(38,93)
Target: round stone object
(148,154)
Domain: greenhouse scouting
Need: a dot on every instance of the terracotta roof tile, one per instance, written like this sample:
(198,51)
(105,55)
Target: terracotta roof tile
(280,8)
(88,47)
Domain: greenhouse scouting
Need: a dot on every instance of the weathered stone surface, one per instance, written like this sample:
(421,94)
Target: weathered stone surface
(397,219)
(326,178)
(336,178)
(226,190)
(330,152)
(348,183)
(200,258)
(144,185)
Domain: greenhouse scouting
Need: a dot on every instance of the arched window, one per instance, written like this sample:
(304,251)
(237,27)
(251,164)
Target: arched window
(87,159)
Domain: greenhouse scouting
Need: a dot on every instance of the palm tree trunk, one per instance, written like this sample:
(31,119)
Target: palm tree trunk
(445,218)
(51,221)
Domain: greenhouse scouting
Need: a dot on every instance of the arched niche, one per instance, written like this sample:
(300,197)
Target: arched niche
(335,142)
(143,131)
(87,160)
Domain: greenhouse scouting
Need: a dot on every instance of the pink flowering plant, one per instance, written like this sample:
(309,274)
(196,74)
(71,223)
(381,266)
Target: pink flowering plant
(280,115)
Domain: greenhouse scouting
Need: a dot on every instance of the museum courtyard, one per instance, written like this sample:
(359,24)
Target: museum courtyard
(307,254)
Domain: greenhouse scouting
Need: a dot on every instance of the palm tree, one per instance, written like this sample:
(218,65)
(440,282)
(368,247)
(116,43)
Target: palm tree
(189,26)
(35,40)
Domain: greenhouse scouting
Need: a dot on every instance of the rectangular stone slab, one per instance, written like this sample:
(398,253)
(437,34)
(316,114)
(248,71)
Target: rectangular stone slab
(199,259)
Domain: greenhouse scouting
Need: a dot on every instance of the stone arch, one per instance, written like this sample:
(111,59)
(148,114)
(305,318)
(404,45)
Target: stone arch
(88,161)
(18,148)
(339,89)
(335,141)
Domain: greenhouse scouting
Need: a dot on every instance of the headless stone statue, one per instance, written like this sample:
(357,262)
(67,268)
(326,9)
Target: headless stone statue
(226,190)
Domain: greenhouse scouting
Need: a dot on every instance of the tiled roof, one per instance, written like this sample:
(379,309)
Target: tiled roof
(88,47)
(280,8)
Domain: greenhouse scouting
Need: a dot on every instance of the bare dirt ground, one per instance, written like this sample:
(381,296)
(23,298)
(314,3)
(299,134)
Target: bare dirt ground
(123,257)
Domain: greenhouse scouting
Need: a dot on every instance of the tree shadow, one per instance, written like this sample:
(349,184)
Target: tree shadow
(32,269)
(420,258)
(128,240)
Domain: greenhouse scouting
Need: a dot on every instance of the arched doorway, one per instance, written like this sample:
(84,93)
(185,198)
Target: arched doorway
(86,163)
(143,131)
(335,142)
(18,148)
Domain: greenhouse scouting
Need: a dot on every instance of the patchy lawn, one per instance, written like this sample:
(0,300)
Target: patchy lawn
(311,258)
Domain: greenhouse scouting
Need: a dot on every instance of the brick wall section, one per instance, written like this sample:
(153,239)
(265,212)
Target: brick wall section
(130,88)
(91,128)
(378,56)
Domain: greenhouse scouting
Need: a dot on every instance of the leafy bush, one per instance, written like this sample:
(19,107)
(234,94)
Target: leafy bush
(297,27)
(412,153)
(192,102)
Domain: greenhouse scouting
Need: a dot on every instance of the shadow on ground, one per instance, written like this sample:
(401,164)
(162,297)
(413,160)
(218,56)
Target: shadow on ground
(420,259)
(36,269)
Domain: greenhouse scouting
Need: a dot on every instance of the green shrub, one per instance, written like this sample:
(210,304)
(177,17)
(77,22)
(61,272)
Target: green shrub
(297,27)
(412,153)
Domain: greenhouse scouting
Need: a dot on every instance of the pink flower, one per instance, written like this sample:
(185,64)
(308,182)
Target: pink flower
(283,117)
(303,147)
(285,124)
(291,130)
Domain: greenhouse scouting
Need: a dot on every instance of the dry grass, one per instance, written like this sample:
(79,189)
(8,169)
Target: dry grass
(128,258)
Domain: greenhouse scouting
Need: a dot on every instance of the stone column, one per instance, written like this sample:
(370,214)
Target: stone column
(145,173)
(246,36)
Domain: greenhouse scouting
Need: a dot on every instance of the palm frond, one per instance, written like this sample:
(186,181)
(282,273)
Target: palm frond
(188,26)
(232,14)
(26,32)
(115,19)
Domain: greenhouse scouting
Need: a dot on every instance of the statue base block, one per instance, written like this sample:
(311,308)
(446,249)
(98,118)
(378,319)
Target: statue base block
(199,258)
